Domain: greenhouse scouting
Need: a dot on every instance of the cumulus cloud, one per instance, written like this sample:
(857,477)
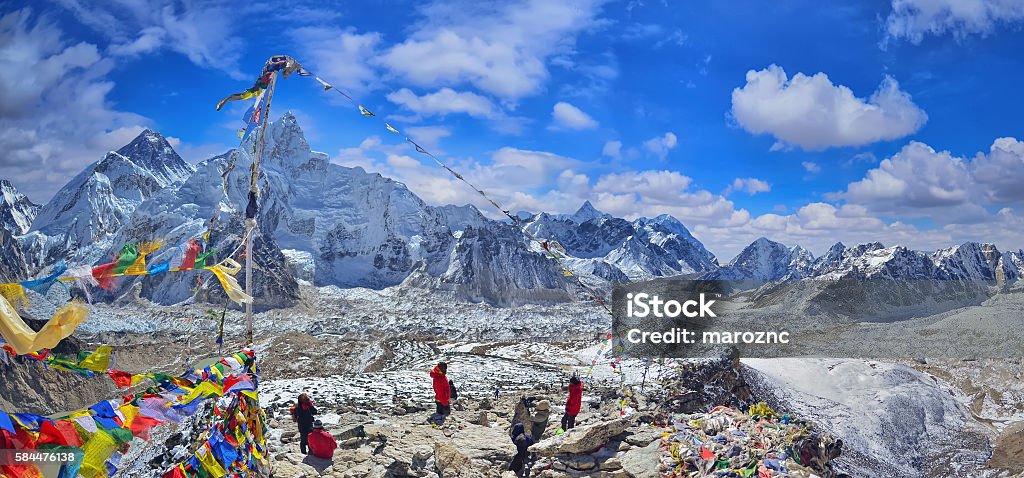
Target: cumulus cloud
(812,113)
(565,115)
(443,102)
(919,181)
(750,186)
(660,146)
(498,48)
(1001,171)
(914,19)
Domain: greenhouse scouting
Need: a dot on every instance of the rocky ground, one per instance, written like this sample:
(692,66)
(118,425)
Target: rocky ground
(369,372)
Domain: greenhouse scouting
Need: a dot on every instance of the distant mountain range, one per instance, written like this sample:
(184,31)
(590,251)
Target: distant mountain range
(329,225)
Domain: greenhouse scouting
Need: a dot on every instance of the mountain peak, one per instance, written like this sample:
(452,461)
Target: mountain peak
(586,212)
(285,143)
(16,210)
(151,151)
(147,140)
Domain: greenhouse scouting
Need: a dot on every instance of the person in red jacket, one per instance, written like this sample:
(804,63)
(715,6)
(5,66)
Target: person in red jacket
(321,443)
(442,391)
(572,404)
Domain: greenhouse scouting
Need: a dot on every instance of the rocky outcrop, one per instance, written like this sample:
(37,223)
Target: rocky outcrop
(581,439)
(700,385)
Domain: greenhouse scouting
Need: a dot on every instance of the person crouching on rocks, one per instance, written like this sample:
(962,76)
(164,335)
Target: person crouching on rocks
(573,403)
(522,440)
(302,415)
(442,391)
(321,443)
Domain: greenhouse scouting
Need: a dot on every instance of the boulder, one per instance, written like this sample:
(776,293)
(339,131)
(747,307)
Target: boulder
(345,432)
(642,462)
(577,462)
(451,463)
(581,439)
(484,443)
(643,435)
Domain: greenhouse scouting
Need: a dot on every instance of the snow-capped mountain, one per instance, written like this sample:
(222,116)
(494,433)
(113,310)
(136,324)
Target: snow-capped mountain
(16,210)
(16,214)
(968,261)
(84,216)
(766,260)
(330,225)
(338,226)
(763,260)
(612,248)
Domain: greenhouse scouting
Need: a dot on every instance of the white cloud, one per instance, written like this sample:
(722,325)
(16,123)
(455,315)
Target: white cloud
(750,186)
(429,136)
(919,181)
(568,116)
(341,56)
(55,116)
(443,102)
(914,19)
(813,113)
(612,149)
(203,32)
(811,167)
(1001,171)
(499,48)
(659,146)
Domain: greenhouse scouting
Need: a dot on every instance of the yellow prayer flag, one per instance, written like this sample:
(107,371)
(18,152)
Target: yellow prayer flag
(24,340)
(97,450)
(225,272)
(203,389)
(210,462)
(138,267)
(139,377)
(129,411)
(98,361)
(14,293)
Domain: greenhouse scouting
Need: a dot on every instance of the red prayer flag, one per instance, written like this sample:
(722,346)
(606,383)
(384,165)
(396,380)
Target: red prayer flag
(707,454)
(122,379)
(189,261)
(141,424)
(60,432)
(104,274)
(175,472)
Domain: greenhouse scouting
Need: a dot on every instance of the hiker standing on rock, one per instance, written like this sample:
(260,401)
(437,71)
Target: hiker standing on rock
(522,440)
(573,403)
(302,415)
(442,390)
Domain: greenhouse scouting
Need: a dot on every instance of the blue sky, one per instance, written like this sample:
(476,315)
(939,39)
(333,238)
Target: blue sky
(898,121)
